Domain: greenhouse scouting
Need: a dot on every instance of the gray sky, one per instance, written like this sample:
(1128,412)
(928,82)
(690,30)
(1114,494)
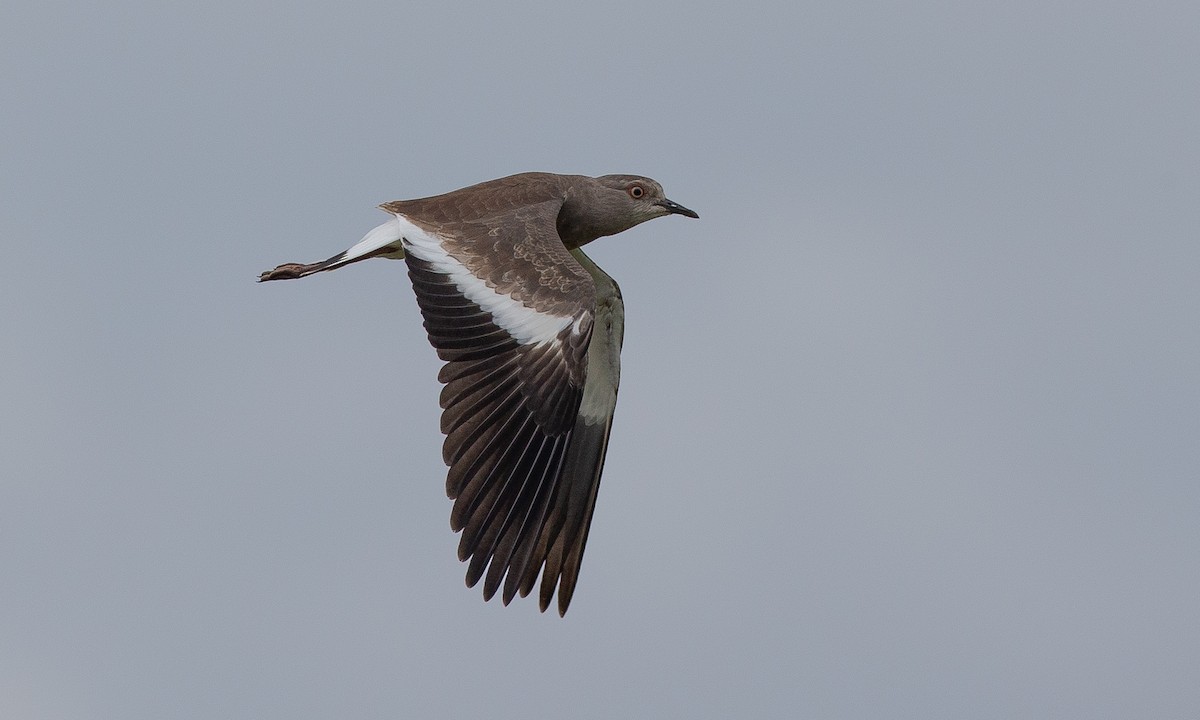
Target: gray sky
(909,423)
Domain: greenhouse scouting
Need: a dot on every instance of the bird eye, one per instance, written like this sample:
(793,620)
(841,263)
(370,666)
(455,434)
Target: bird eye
(636,191)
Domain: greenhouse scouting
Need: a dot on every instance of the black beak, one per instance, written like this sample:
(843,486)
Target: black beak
(678,209)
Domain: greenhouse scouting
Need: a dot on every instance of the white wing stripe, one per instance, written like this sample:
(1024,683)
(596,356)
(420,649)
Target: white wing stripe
(525,324)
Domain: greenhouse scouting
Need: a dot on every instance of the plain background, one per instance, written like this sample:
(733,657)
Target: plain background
(910,419)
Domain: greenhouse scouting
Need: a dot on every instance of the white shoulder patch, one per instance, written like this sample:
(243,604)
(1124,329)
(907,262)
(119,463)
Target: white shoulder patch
(527,325)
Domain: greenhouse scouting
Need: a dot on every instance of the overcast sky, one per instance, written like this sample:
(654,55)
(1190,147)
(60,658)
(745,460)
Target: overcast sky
(909,424)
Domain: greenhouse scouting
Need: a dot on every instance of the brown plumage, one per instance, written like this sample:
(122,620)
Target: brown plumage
(530,330)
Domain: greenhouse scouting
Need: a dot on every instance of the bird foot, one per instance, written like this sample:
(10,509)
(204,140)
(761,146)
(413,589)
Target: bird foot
(286,271)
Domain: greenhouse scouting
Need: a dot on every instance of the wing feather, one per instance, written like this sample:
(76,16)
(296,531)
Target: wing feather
(514,381)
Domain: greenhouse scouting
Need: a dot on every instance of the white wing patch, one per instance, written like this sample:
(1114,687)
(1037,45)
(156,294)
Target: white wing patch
(526,325)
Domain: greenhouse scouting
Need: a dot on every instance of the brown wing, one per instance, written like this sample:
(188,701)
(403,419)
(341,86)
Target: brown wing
(511,312)
(564,536)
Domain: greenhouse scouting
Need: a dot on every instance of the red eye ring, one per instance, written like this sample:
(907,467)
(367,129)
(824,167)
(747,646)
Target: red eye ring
(636,192)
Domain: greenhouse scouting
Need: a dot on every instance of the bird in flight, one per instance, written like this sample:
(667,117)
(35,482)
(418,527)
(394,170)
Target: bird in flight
(530,330)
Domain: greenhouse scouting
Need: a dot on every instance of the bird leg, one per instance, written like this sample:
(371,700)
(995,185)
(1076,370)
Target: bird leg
(289,271)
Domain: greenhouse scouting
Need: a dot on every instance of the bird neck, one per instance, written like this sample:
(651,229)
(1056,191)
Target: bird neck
(590,212)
